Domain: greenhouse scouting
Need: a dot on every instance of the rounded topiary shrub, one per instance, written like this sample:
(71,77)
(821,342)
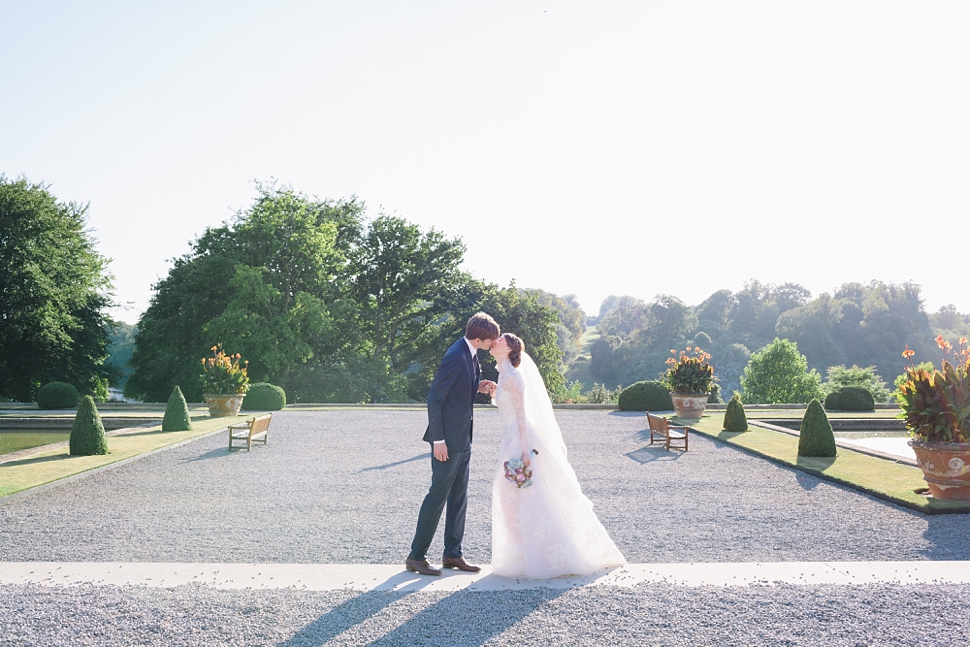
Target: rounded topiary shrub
(815,437)
(646,396)
(263,396)
(57,395)
(87,433)
(735,418)
(850,398)
(176,413)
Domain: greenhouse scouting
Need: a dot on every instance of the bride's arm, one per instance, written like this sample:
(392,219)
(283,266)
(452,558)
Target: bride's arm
(514,392)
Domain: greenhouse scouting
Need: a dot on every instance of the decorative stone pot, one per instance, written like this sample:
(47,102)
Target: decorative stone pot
(946,468)
(689,405)
(223,405)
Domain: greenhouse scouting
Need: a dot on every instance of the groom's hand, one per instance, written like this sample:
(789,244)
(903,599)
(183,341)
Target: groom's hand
(441,451)
(486,386)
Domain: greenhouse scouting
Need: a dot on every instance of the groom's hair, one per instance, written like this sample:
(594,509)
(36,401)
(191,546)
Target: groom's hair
(482,326)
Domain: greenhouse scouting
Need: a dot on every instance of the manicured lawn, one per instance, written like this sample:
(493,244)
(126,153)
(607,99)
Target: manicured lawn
(881,478)
(55,464)
(15,441)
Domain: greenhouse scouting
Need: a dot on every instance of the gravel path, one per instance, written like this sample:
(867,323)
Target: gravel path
(345,487)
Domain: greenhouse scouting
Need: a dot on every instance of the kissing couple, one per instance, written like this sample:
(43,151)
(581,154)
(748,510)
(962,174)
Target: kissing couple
(539,532)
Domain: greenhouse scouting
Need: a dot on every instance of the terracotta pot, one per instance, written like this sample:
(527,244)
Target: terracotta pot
(689,405)
(223,405)
(946,468)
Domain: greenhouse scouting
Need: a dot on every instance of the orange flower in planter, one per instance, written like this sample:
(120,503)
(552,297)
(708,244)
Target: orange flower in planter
(691,373)
(936,404)
(223,373)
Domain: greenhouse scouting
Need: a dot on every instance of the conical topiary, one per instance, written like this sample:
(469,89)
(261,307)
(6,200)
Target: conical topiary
(734,418)
(815,436)
(87,433)
(176,413)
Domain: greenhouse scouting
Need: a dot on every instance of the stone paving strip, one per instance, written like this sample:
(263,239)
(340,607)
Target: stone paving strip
(386,577)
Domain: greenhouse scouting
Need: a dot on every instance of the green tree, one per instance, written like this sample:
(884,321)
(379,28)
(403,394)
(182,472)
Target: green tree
(713,314)
(815,328)
(779,373)
(878,321)
(668,322)
(866,378)
(570,313)
(54,292)
(266,285)
(601,364)
(398,274)
(516,311)
(753,315)
(729,363)
(627,315)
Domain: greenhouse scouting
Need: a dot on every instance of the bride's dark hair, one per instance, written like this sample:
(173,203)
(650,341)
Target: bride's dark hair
(516,346)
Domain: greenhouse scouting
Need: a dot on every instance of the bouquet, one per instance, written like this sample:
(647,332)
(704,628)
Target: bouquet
(517,473)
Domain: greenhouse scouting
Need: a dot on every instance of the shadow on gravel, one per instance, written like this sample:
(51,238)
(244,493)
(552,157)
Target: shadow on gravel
(468,617)
(357,610)
(463,617)
(652,453)
(946,537)
(221,452)
(807,481)
(419,457)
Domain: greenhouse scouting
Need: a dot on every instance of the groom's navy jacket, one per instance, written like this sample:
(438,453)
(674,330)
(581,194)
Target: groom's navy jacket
(451,397)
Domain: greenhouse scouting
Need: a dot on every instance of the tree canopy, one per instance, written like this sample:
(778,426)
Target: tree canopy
(779,373)
(54,292)
(322,302)
(857,324)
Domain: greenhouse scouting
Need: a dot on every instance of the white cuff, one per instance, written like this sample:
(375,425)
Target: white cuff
(438,442)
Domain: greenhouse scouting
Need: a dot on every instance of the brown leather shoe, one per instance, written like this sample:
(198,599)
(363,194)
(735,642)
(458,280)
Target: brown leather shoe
(420,566)
(460,564)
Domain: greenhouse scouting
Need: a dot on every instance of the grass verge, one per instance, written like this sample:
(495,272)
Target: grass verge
(55,464)
(878,477)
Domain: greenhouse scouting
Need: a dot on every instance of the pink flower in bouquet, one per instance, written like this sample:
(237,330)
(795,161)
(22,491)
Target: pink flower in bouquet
(517,473)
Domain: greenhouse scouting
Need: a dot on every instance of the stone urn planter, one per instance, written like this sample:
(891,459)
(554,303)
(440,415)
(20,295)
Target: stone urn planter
(690,378)
(223,405)
(946,468)
(689,405)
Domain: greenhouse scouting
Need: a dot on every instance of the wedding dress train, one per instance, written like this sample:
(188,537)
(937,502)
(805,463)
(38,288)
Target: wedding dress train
(549,529)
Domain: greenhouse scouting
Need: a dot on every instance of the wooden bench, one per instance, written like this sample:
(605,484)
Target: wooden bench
(258,426)
(661,429)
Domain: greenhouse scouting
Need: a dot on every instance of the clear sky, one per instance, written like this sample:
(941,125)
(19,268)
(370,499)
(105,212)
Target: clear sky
(591,148)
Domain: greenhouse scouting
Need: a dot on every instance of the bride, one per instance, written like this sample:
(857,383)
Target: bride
(549,529)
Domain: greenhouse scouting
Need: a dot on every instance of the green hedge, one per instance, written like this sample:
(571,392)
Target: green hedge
(87,433)
(57,395)
(850,398)
(646,396)
(263,396)
(176,413)
(815,437)
(735,418)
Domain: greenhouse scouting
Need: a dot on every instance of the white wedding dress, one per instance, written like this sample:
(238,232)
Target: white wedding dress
(549,529)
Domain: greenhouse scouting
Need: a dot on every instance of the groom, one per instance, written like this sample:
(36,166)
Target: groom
(450,401)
